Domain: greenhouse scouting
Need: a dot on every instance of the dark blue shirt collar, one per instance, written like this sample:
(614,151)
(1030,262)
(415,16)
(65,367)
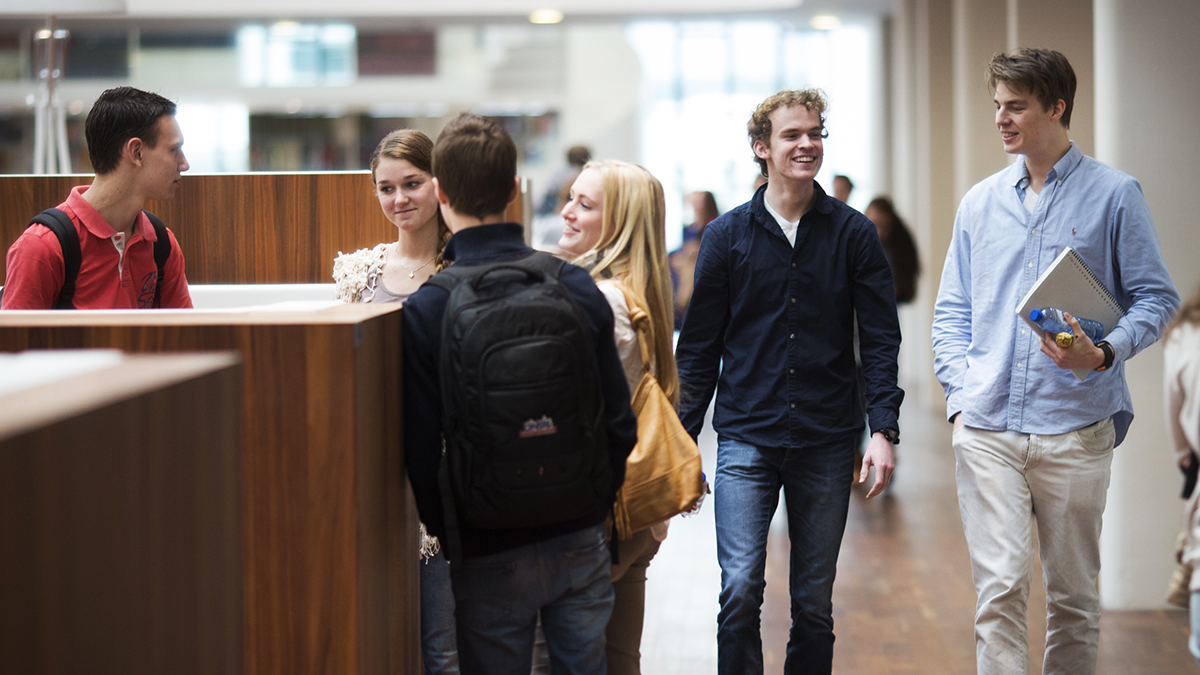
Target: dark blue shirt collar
(486,243)
(758,203)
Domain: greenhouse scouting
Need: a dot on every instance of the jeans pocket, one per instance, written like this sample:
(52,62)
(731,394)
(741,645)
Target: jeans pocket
(1097,438)
(483,577)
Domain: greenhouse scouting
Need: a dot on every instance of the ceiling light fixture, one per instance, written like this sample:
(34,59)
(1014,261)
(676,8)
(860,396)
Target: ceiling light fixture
(825,22)
(545,16)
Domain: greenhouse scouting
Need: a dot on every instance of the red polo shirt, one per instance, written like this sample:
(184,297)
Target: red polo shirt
(35,265)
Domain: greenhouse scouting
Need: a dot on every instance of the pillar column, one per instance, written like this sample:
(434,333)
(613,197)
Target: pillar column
(1065,26)
(1147,62)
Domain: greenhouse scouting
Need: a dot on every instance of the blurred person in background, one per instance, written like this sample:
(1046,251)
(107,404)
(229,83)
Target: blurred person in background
(683,261)
(898,246)
(842,187)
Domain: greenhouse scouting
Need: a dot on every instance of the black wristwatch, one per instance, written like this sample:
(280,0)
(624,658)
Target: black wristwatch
(892,434)
(1108,355)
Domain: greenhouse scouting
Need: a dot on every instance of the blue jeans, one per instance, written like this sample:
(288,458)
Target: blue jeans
(816,480)
(500,596)
(438,646)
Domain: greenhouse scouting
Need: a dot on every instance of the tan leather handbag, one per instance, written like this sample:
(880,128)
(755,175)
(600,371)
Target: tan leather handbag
(662,474)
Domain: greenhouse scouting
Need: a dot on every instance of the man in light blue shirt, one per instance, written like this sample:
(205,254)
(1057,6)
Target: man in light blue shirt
(1032,442)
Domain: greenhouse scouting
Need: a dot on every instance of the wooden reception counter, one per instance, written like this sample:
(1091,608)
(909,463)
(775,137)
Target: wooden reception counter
(120,513)
(330,539)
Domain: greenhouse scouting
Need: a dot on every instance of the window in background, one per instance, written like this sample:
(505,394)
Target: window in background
(216,136)
(289,54)
(97,56)
(702,80)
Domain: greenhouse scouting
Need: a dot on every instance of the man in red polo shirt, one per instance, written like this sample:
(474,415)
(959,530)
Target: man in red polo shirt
(135,146)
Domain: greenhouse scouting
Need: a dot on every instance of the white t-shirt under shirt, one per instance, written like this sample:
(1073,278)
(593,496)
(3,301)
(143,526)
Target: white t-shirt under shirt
(788,226)
(1031,198)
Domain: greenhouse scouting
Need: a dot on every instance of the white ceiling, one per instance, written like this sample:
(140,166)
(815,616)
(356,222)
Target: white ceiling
(164,9)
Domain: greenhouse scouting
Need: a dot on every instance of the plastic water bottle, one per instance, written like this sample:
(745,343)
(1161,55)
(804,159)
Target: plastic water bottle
(1052,321)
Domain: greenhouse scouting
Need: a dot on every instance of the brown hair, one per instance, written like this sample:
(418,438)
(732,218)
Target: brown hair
(475,162)
(1188,313)
(759,126)
(1044,73)
(118,115)
(415,148)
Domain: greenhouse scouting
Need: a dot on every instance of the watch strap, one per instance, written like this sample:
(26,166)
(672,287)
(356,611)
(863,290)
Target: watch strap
(1109,355)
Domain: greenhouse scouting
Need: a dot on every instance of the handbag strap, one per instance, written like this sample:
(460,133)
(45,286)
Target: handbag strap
(641,324)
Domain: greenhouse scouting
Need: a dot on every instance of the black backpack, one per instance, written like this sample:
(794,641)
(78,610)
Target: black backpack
(62,227)
(522,406)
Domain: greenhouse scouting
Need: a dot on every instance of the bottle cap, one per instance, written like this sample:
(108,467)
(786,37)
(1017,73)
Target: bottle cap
(1035,314)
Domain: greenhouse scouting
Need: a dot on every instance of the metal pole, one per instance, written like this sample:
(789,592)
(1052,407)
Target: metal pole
(60,110)
(51,153)
(41,46)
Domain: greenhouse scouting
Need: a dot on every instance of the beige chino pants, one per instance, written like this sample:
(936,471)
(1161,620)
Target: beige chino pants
(1007,481)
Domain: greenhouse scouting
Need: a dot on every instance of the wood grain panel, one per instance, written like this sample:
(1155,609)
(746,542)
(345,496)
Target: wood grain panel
(330,539)
(120,521)
(253,228)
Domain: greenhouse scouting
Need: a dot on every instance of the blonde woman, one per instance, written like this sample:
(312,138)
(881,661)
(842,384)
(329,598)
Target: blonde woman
(390,272)
(614,226)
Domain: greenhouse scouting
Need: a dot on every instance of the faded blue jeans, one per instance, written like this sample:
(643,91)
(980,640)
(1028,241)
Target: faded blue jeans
(816,480)
(499,597)
(438,645)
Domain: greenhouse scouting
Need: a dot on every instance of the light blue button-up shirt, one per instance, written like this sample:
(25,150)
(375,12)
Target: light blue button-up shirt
(990,362)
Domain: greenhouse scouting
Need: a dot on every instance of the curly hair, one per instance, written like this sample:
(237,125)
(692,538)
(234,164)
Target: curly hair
(759,126)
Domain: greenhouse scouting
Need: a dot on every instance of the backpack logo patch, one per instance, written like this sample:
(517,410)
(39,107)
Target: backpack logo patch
(540,427)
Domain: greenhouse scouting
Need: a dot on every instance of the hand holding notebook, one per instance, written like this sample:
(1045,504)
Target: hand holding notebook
(1069,285)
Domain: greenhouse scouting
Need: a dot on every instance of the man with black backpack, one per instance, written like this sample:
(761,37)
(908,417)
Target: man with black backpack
(99,249)
(517,422)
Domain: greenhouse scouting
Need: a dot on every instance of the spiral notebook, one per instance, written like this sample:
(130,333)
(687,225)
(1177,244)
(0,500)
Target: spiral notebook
(1069,285)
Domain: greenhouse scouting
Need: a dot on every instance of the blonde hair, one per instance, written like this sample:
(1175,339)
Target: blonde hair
(415,148)
(632,249)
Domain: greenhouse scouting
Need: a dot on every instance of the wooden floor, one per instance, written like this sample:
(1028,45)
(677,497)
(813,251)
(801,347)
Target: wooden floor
(903,600)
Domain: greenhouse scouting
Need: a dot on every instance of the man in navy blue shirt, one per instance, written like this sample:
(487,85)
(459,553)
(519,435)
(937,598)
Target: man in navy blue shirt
(506,578)
(780,282)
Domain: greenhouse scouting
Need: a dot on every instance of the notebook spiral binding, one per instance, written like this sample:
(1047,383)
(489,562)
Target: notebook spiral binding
(1096,283)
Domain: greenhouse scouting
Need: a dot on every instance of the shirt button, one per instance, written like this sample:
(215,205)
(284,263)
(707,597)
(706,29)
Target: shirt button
(793,406)
(1033,231)
(1031,264)
(792,336)
(1023,331)
(1020,365)
(793,264)
(793,301)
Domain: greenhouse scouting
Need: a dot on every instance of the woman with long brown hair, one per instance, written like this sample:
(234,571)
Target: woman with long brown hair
(390,272)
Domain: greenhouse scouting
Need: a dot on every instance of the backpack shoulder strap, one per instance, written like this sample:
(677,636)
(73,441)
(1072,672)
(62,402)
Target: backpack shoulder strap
(544,262)
(162,251)
(68,239)
(448,278)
